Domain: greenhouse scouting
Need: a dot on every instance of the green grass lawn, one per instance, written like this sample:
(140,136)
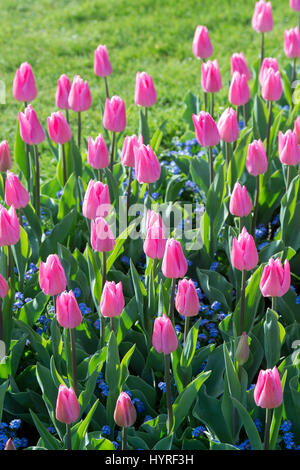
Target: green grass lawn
(141,35)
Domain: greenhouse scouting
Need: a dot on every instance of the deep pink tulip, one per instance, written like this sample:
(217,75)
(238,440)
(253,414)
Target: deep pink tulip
(112,300)
(187,301)
(239,64)
(206,129)
(147,166)
(52,276)
(102,238)
(80,98)
(268,62)
(15,193)
(125,412)
(228,126)
(239,91)
(4,288)
(244,254)
(131,143)
(211,80)
(242,351)
(292,43)
(153,218)
(98,155)
(268,390)
(164,339)
(276,279)
(174,263)
(297,129)
(262,20)
(67,405)
(155,242)
(256,161)
(96,202)
(295,5)
(202,48)
(240,203)
(145,93)
(58,128)
(5,158)
(114,117)
(9,226)
(24,87)
(67,310)
(102,65)
(62,92)
(288,148)
(271,88)
(30,128)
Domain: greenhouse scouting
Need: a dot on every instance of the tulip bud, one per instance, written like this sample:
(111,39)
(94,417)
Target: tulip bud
(228,126)
(24,87)
(268,389)
(102,238)
(62,92)
(147,166)
(268,62)
(67,405)
(98,155)
(211,80)
(58,128)
(271,87)
(15,193)
(244,254)
(239,92)
(295,5)
(297,129)
(289,151)
(145,93)
(5,158)
(262,20)
(155,242)
(292,43)
(10,445)
(239,64)
(96,202)
(112,300)
(30,128)
(102,65)
(80,98)
(202,48)
(174,263)
(276,279)
(4,288)
(240,203)
(128,150)
(164,339)
(153,218)
(9,227)
(52,276)
(187,301)
(114,117)
(125,412)
(67,310)
(242,350)
(206,129)
(256,162)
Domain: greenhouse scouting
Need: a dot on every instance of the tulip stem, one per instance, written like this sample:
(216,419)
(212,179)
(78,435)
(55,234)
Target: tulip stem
(274,306)
(79,130)
(124,438)
(168,392)
(172,300)
(227,150)
(245,114)
(69,440)
(211,166)
(100,175)
(129,191)
(27,147)
(241,223)
(262,48)
(269,127)
(204,93)
(186,327)
(267,428)
(112,154)
(67,116)
(255,207)
(102,320)
(1,323)
(37,181)
(294,68)
(288,177)
(106,87)
(243,301)
(149,190)
(64,164)
(74,366)
(112,324)
(10,269)
(212,105)
(20,217)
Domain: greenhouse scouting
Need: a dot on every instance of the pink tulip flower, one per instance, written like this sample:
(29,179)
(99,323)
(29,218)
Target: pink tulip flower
(30,128)
(268,390)
(15,193)
(67,405)
(9,226)
(62,92)
(67,310)
(112,300)
(187,301)
(206,129)
(125,412)
(276,279)
(102,65)
(52,276)
(174,263)
(244,254)
(145,93)
(202,48)
(164,339)
(24,87)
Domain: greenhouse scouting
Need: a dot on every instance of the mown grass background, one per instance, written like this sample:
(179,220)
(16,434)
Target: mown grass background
(155,36)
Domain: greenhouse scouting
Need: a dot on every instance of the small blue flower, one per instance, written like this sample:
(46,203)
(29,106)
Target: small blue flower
(215,305)
(147,418)
(162,386)
(15,424)
(258,424)
(298,300)
(77,292)
(286,426)
(139,405)
(125,259)
(97,324)
(198,431)
(214,266)
(105,430)
(115,444)
(59,193)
